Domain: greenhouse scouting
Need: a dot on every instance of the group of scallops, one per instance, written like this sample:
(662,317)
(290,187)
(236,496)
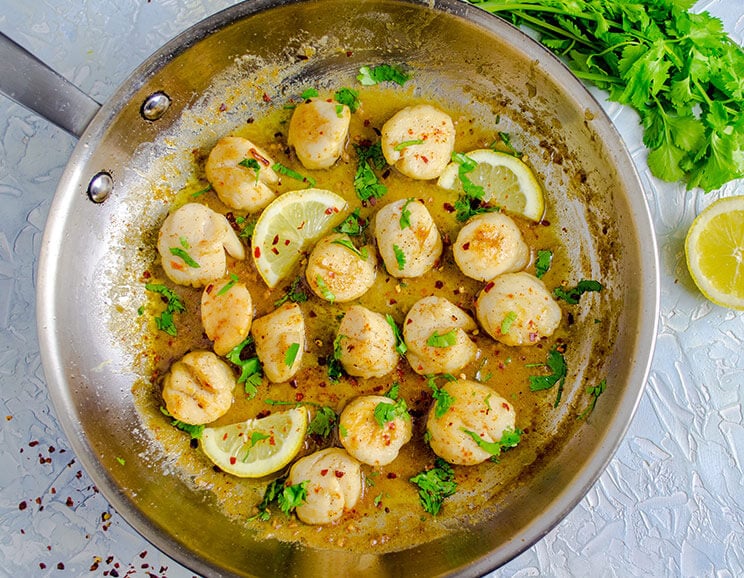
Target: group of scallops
(490,248)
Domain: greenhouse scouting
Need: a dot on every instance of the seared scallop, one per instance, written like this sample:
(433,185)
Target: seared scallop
(366,343)
(435,331)
(418,141)
(334,485)
(192,242)
(475,411)
(226,313)
(371,434)
(488,245)
(241,174)
(338,271)
(280,342)
(407,238)
(517,309)
(318,131)
(198,389)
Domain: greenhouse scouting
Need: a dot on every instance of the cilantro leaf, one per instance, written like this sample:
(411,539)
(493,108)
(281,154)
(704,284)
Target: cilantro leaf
(174,304)
(595,391)
(543,262)
(573,294)
(371,75)
(444,340)
(322,422)
(509,439)
(556,363)
(195,431)
(353,225)
(366,184)
(400,344)
(349,97)
(251,374)
(435,485)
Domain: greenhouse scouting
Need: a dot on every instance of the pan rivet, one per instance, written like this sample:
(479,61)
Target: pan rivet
(155,105)
(100,187)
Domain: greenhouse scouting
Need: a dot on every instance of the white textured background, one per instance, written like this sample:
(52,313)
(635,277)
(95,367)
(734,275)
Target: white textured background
(671,502)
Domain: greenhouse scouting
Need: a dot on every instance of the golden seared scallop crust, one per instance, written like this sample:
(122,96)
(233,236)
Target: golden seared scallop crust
(475,409)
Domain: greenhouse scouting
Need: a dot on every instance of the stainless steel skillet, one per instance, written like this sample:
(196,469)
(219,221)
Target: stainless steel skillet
(87,286)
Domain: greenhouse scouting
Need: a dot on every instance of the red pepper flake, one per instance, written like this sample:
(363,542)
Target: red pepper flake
(69,503)
(439,284)
(466,246)
(266,97)
(275,250)
(488,286)
(287,242)
(23,505)
(223,107)
(324,472)
(299,396)
(391,475)
(33,444)
(42,565)
(60,566)
(259,157)
(233,460)
(275,240)
(209,288)
(449,207)
(339,473)
(257,252)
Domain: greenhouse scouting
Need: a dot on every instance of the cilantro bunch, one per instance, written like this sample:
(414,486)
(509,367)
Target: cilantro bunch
(679,70)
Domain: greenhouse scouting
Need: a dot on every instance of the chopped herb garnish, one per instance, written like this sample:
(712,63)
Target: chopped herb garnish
(507,322)
(335,369)
(295,293)
(121,461)
(366,183)
(247,227)
(164,321)
(322,422)
(291,355)
(408,143)
(470,203)
(229,285)
(251,164)
(435,485)
(353,225)
(543,262)
(324,290)
(556,363)
(250,368)
(292,174)
(179,252)
(573,294)
(442,398)
(195,431)
(509,439)
(386,412)
(349,97)
(405,215)
(400,257)
(256,437)
(309,93)
(505,138)
(400,345)
(370,75)
(201,192)
(361,253)
(595,391)
(286,497)
(444,340)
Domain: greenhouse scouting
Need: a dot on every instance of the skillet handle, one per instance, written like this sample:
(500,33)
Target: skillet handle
(31,83)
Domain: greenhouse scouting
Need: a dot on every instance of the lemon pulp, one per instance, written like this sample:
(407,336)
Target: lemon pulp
(507,182)
(290,225)
(715,252)
(256,447)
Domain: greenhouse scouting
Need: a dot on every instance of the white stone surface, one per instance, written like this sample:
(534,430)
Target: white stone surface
(671,502)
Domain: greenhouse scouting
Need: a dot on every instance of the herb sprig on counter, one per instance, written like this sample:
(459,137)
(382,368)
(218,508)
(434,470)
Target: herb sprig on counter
(679,70)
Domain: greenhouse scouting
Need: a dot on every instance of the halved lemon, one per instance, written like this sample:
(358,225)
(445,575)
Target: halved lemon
(715,252)
(256,447)
(507,182)
(289,226)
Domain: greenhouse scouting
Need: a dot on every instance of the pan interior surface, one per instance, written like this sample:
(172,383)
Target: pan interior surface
(236,66)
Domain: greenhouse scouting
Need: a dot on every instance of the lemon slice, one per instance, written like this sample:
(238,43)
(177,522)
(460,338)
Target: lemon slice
(290,225)
(256,447)
(715,252)
(507,182)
